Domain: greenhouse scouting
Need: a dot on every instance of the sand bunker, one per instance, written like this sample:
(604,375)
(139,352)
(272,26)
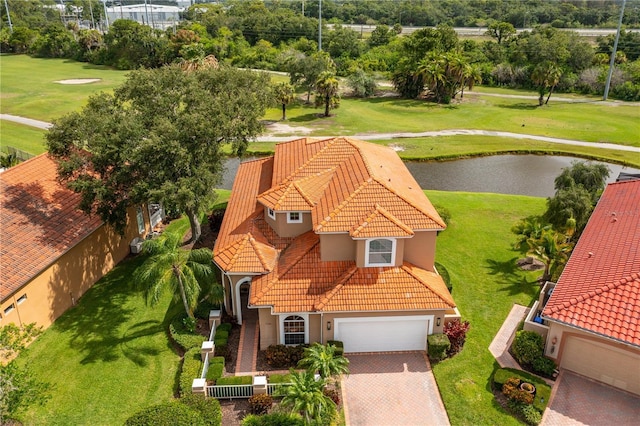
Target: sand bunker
(279,128)
(78,81)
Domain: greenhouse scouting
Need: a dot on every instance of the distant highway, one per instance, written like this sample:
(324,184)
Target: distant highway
(479,31)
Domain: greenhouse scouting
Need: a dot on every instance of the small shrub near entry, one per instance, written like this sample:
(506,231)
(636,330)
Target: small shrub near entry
(543,390)
(282,356)
(332,394)
(215,371)
(530,414)
(279,378)
(339,346)
(234,380)
(260,404)
(225,326)
(527,346)
(216,360)
(191,369)
(204,308)
(544,366)
(456,331)
(437,346)
(182,336)
(510,390)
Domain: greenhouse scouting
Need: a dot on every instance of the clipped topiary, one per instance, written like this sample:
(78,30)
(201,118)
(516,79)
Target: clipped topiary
(273,419)
(209,408)
(437,346)
(168,414)
(191,369)
(179,332)
(544,365)
(260,403)
(527,346)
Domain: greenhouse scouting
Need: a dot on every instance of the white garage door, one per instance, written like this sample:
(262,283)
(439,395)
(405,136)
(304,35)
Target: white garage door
(602,362)
(379,334)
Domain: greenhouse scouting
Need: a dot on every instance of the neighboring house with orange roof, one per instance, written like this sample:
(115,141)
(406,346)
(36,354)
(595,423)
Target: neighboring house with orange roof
(50,251)
(333,240)
(591,316)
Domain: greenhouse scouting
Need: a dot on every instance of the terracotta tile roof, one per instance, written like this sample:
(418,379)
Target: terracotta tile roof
(298,284)
(599,289)
(381,223)
(39,221)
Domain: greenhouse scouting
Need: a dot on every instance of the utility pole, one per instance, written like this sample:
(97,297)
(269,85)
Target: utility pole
(612,61)
(6,6)
(320,26)
(146,12)
(106,15)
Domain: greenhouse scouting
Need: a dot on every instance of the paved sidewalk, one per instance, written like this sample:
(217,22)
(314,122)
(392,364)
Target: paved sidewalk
(248,348)
(499,347)
(576,400)
(394,388)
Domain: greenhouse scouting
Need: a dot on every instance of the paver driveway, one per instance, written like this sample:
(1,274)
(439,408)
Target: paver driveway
(577,400)
(392,389)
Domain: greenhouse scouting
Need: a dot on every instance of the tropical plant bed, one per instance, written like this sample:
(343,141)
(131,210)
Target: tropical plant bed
(536,386)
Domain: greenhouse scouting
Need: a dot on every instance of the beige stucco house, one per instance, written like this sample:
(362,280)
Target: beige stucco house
(51,253)
(590,318)
(333,240)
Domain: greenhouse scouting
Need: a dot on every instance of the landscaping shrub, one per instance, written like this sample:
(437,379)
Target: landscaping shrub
(209,408)
(437,346)
(234,380)
(282,356)
(527,346)
(543,390)
(544,366)
(511,390)
(260,403)
(215,371)
(339,346)
(217,360)
(332,394)
(168,414)
(456,331)
(182,336)
(221,335)
(225,326)
(530,414)
(444,213)
(279,378)
(274,419)
(191,369)
(444,273)
(203,309)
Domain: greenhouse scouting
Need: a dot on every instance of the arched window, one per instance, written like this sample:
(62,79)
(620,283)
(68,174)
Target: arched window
(294,330)
(380,252)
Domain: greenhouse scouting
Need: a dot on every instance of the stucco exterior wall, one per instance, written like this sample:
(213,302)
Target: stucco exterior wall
(421,249)
(285,229)
(268,328)
(337,247)
(58,287)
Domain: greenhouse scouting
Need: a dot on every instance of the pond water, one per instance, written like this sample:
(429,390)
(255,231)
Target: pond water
(503,174)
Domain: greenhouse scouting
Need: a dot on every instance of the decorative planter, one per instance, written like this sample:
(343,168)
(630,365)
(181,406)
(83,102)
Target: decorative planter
(528,387)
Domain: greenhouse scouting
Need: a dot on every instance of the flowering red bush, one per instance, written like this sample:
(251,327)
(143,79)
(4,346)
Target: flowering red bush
(456,331)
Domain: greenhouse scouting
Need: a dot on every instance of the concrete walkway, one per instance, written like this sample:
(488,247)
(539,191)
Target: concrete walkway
(398,135)
(248,347)
(499,347)
(393,388)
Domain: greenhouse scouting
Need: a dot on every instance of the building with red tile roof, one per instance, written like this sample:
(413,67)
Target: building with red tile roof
(333,240)
(593,313)
(50,251)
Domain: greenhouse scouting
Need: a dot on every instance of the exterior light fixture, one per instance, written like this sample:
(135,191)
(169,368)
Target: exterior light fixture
(328,325)
(438,322)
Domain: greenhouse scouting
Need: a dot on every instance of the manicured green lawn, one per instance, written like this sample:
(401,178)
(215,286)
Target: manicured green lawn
(28,85)
(25,138)
(475,250)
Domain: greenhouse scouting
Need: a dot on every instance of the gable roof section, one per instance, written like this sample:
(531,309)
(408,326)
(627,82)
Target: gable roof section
(599,289)
(39,220)
(381,223)
(297,284)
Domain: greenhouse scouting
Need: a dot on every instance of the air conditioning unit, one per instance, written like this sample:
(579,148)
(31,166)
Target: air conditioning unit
(136,245)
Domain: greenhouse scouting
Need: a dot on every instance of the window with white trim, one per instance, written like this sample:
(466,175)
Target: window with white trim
(9,309)
(294,330)
(271,213)
(22,298)
(294,217)
(380,252)
(140,219)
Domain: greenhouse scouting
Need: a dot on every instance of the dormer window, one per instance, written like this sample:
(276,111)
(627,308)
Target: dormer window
(380,252)
(271,214)
(294,217)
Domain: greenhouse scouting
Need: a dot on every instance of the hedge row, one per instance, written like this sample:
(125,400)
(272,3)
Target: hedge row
(191,369)
(193,410)
(185,338)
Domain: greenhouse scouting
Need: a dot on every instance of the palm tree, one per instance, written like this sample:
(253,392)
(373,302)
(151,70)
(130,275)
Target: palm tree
(305,396)
(171,266)
(323,359)
(327,91)
(530,227)
(283,93)
(552,249)
(546,75)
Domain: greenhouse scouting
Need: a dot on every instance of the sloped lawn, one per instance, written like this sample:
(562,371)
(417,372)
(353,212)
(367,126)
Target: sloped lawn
(475,250)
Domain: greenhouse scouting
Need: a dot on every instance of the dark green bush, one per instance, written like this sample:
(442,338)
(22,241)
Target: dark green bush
(191,369)
(183,337)
(282,356)
(217,360)
(273,419)
(235,380)
(444,273)
(279,378)
(168,414)
(544,366)
(530,414)
(203,309)
(527,346)
(221,334)
(214,372)
(444,213)
(260,403)
(209,408)
(339,346)
(437,346)
(225,326)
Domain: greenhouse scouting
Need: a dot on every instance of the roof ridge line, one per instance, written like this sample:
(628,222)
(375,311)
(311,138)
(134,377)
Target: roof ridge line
(605,288)
(406,200)
(394,219)
(339,284)
(408,270)
(303,194)
(330,143)
(344,202)
(259,253)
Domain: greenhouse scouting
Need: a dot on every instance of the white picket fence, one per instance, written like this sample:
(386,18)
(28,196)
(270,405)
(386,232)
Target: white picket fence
(239,391)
